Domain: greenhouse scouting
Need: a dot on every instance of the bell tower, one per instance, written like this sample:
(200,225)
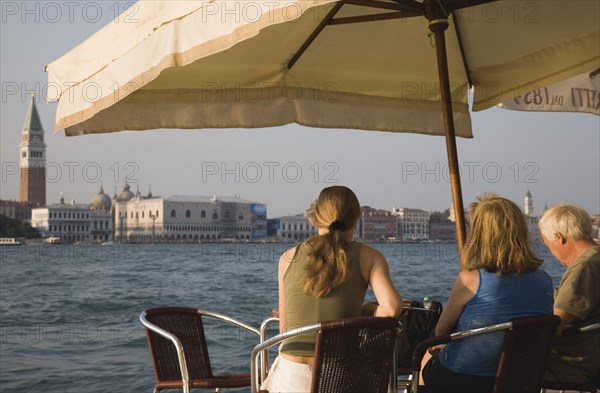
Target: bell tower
(33,159)
(528,202)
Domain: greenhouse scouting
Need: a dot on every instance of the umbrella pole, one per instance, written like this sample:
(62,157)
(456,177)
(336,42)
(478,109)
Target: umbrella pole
(438,27)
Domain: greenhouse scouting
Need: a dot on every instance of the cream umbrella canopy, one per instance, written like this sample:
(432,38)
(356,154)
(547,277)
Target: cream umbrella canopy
(361,64)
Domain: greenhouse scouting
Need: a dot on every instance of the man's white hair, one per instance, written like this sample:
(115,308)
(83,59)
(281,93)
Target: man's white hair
(571,221)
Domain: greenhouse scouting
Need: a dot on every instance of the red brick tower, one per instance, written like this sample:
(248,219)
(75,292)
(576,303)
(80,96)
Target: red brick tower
(33,159)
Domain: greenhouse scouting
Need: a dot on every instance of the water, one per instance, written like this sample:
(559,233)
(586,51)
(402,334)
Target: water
(69,313)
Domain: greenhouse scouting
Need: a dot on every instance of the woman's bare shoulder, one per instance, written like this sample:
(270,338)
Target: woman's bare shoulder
(288,255)
(470,279)
(369,252)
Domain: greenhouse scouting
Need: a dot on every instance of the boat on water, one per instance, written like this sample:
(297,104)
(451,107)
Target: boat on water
(53,240)
(11,241)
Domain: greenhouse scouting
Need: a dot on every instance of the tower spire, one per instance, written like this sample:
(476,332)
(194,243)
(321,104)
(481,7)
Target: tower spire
(32,119)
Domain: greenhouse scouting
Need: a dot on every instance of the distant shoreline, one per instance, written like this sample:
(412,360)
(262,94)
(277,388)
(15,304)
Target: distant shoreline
(283,241)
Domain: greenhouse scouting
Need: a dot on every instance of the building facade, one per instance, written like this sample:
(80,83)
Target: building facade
(33,159)
(377,225)
(73,223)
(188,219)
(15,209)
(291,228)
(413,224)
(596,227)
(442,230)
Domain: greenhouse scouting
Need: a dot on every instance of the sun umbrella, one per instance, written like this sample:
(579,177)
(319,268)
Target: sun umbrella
(363,64)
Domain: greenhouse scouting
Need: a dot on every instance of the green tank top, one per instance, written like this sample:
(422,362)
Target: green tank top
(345,301)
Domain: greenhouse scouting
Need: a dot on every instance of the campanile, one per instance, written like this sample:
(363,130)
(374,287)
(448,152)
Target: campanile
(33,159)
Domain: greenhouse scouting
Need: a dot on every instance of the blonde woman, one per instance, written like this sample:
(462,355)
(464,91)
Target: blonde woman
(500,280)
(326,278)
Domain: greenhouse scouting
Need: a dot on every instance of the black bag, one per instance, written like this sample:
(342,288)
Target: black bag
(417,325)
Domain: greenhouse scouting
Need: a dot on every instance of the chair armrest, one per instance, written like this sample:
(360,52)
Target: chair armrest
(571,330)
(422,347)
(264,327)
(264,357)
(265,345)
(230,320)
(411,308)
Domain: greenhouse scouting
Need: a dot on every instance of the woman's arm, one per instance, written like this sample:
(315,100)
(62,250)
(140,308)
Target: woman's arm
(463,290)
(377,270)
(284,262)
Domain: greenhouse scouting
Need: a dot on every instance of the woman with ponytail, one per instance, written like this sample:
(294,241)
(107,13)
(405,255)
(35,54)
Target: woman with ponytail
(326,278)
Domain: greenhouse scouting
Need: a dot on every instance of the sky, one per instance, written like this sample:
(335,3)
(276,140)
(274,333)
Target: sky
(553,155)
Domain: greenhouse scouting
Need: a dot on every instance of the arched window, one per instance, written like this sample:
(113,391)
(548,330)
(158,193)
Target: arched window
(203,214)
(215,216)
(157,214)
(188,214)
(173,215)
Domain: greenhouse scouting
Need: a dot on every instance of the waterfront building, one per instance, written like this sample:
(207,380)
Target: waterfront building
(15,209)
(442,229)
(596,227)
(33,159)
(291,228)
(187,218)
(377,224)
(413,224)
(101,218)
(72,222)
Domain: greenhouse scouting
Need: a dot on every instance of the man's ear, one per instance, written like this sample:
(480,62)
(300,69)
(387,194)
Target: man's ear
(559,236)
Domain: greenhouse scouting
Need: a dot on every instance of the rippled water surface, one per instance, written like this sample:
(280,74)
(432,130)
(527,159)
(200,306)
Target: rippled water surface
(69,313)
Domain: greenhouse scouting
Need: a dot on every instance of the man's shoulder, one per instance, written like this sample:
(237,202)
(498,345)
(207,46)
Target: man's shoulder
(589,260)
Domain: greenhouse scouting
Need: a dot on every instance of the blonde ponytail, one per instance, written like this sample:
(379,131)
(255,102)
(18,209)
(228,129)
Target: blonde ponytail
(338,210)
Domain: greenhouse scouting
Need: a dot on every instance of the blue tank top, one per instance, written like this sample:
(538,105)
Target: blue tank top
(498,299)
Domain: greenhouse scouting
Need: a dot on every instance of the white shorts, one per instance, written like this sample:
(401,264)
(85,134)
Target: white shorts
(286,376)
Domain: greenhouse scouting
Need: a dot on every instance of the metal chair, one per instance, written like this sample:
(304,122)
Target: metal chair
(522,364)
(179,352)
(592,386)
(353,355)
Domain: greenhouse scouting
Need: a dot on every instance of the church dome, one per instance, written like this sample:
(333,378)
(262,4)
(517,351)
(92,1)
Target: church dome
(101,201)
(126,194)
